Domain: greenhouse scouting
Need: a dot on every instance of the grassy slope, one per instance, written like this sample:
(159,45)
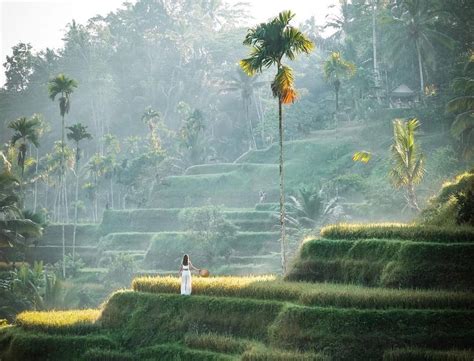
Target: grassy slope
(389,263)
(270,325)
(238,184)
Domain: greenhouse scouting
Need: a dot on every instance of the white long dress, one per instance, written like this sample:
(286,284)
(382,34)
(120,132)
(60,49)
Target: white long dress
(186,281)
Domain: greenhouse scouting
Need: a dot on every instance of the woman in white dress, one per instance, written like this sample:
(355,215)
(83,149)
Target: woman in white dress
(185,273)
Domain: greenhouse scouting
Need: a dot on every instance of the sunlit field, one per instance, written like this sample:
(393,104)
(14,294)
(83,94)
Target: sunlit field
(221,180)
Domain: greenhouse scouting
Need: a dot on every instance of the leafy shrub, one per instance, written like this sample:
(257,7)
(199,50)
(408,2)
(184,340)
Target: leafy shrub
(454,205)
(209,226)
(121,269)
(73,266)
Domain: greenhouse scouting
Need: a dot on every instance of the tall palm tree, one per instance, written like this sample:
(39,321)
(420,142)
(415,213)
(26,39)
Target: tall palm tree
(463,105)
(63,87)
(151,118)
(270,43)
(42,129)
(77,133)
(26,131)
(414,31)
(335,70)
(246,85)
(407,160)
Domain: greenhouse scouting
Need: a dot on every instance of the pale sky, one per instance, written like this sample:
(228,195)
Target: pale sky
(42,22)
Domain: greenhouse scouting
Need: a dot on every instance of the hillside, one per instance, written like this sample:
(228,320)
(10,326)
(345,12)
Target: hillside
(266,318)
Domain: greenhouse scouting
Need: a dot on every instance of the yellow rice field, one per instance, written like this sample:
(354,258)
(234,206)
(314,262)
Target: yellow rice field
(57,319)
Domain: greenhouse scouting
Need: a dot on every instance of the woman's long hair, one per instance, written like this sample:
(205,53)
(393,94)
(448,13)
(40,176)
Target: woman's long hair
(185,260)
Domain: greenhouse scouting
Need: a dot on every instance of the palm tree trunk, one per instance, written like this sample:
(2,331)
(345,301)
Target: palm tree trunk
(63,234)
(337,100)
(247,113)
(412,197)
(111,192)
(61,187)
(374,50)
(76,197)
(35,201)
(282,190)
(420,68)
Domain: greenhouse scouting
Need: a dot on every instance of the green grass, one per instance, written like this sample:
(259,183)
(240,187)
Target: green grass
(350,334)
(428,355)
(388,263)
(16,345)
(145,318)
(399,231)
(310,294)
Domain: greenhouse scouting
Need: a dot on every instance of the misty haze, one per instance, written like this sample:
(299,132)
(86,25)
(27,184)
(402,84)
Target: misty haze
(222,180)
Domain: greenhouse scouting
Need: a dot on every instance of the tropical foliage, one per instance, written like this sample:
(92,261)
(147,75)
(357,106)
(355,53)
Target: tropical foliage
(408,162)
(270,43)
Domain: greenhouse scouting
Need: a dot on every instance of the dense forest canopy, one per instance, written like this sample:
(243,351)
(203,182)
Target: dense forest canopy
(158,84)
(322,175)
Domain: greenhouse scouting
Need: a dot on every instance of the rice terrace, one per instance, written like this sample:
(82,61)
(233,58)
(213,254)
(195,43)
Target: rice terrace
(224,180)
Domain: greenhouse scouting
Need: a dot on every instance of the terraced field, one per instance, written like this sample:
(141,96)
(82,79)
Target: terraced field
(269,318)
(251,318)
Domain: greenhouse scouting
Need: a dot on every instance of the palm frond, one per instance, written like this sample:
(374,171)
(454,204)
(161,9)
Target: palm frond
(362,156)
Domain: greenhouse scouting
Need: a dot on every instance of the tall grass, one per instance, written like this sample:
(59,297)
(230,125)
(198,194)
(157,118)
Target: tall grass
(311,294)
(428,355)
(387,263)
(401,231)
(33,346)
(57,320)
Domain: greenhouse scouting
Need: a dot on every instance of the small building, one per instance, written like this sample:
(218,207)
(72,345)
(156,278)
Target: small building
(403,97)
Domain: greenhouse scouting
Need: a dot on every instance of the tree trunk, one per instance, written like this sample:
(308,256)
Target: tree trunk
(337,100)
(374,50)
(61,187)
(76,197)
(111,192)
(35,201)
(249,121)
(282,191)
(420,68)
(413,203)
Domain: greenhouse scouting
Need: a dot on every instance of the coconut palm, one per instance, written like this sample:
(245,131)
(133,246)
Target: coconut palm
(77,133)
(26,131)
(307,206)
(414,31)
(407,160)
(63,87)
(14,226)
(270,43)
(335,70)
(151,118)
(246,85)
(463,105)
